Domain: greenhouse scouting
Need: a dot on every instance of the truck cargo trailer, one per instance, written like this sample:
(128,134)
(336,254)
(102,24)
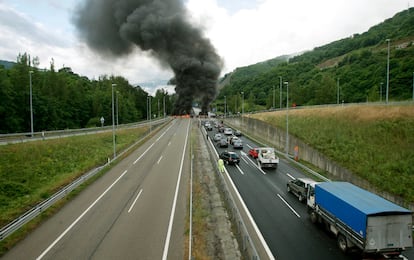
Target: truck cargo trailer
(360,218)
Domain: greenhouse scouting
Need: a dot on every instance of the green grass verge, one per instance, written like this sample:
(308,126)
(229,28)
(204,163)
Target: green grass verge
(374,142)
(31,172)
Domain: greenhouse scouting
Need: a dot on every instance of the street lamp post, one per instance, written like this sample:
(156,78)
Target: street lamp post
(149,112)
(113,121)
(413,86)
(117,110)
(274,97)
(280,89)
(242,108)
(388,71)
(158,105)
(31,103)
(287,117)
(164,105)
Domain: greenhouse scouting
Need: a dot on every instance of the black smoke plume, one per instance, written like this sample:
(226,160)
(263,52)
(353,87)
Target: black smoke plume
(115,27)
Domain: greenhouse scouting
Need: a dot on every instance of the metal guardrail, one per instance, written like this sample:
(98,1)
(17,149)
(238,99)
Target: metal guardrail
(39,208)
(27,137)
(44,205)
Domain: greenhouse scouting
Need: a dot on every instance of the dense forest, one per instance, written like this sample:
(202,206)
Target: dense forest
(356,66)
(62,99)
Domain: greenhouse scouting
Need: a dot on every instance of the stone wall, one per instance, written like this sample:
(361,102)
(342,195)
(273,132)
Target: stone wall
(276,137)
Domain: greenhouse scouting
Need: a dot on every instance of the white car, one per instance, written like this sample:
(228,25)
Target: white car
(228,131)
(217,137)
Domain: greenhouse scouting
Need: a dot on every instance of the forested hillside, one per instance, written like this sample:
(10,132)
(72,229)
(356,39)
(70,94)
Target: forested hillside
(63,99)
(357,65)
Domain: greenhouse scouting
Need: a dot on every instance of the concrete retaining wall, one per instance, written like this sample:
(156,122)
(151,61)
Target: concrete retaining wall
(277,138)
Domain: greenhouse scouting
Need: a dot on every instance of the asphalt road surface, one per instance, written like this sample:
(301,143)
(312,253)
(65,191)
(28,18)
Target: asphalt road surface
(137,210)
(282,220)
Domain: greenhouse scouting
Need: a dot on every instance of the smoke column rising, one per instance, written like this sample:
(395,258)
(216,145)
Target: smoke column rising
(115,27)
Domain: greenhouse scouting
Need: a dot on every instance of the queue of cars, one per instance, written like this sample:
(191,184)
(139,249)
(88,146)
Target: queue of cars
(224,137)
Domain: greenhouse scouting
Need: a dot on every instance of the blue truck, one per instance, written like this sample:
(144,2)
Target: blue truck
(360,219)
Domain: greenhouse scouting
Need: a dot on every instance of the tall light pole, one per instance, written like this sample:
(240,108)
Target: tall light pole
(388,71)
(117,114)
(147,108)
(287,117)
(164,105)
(413,86)
(149,112)
(113,121)
(158,105)
(280,88)
(242,108)
(31,103)
(274,97)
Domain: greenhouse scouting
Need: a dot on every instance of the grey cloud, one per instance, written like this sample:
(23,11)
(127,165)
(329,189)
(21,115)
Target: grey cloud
(115,27)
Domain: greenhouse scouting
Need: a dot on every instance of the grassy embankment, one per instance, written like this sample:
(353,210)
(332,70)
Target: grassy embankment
(200,210)
(374,142)
(31,172)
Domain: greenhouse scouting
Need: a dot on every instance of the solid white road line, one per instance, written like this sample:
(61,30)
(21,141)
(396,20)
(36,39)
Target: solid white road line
(290,207)
(143,153)
(80,217)
(253,163)
(244,160)
(133,203)
(152,144)
(290,176)
(240,170)
(177,188)
(258,233)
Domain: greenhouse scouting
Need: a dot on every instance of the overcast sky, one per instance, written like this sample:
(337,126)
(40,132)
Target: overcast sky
(244,32)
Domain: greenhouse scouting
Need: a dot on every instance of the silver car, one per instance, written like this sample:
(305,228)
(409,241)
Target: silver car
(237,144)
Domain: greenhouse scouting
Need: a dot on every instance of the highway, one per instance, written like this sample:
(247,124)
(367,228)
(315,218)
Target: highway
(282,220)
(137,210)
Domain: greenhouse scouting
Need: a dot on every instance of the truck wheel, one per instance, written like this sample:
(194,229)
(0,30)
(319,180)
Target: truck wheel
(300,196)
(342,243)
(288,188)
(313,217)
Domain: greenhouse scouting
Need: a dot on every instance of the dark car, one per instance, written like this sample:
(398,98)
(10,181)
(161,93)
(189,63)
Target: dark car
(237,133)
(230,157)
(299,187)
